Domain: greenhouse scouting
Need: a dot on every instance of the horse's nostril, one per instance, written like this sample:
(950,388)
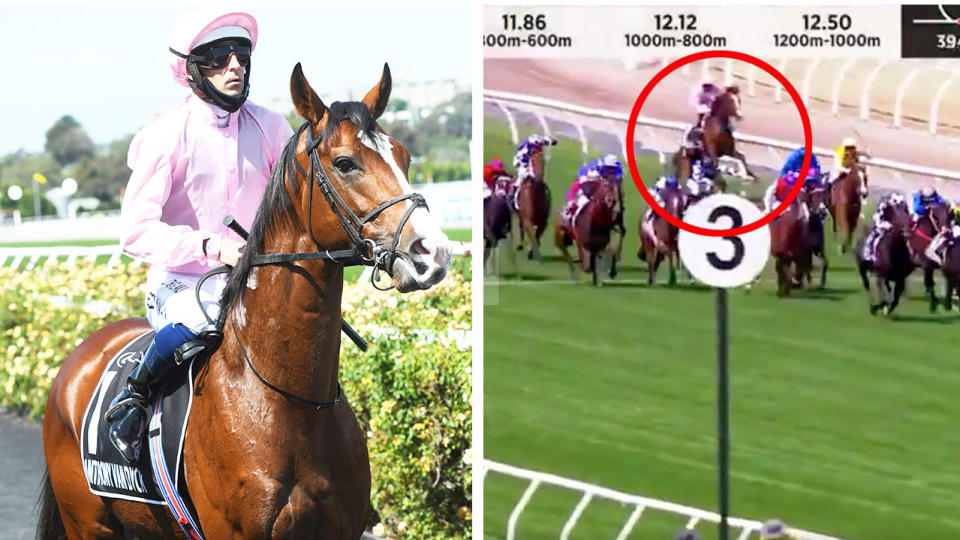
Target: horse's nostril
(419,247)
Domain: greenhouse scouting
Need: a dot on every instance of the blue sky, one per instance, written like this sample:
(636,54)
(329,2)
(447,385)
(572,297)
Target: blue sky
(106,63)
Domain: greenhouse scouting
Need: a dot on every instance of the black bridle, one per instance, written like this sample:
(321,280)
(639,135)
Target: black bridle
(365,251)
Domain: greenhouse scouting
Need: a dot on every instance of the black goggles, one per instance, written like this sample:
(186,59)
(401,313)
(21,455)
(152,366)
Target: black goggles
(219,56)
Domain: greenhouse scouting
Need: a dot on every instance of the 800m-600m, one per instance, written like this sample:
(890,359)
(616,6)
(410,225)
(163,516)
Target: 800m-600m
(531,40)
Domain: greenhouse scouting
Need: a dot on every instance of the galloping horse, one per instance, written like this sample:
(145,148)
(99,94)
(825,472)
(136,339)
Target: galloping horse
(259,464)
(660,240)
(590,230)
(790,245)
(951,273)
(845,204)
(816,198)
(718,132)
(926,228)
(497,217)
(533,207)
(892,262)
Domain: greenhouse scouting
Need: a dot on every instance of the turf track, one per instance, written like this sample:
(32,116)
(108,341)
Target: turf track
(842,423)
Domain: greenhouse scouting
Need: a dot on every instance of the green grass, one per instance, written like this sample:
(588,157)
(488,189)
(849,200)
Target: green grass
(101,242)
(841,422)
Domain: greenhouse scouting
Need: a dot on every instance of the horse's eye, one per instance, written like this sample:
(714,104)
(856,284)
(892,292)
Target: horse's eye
(344,164)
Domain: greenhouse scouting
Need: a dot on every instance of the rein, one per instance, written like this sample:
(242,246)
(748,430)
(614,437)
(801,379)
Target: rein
(365,251)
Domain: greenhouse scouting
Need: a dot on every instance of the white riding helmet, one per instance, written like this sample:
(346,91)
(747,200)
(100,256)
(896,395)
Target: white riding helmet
(849,142)
(927,191)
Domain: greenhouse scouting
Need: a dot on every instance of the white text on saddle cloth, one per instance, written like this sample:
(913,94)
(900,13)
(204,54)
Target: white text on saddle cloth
(724,261)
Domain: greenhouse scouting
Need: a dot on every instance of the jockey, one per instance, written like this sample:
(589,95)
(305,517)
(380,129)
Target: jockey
(703,97)
(209,156)
(579,193)
(491,173)
(523,160)
(703,175)
(845,158)
(923,199)
(611,169)
(664,183)
(880,223)
(789,174)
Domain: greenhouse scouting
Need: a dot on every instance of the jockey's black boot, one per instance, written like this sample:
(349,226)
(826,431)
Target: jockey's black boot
(127,415)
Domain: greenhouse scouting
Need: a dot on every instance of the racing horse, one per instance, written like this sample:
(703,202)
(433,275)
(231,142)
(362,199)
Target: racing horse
(718,137)
(845,205)
(533,207)
(816,198)
(590,230)
(658,241)
(258,463)
(497,217)
(951,273)
(924,230)
(790,245)
(892,263)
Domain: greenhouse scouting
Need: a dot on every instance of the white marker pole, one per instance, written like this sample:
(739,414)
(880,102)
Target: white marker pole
(724,262)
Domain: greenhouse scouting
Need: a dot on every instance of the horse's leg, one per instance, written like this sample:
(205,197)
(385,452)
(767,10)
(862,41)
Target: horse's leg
(743,161)
(653,262)
(783,279)
(673,268)
(898,287)
(930,286)
(594,261)
(560,240)
(823,267)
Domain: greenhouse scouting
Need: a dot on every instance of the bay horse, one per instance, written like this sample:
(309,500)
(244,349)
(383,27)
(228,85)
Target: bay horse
(845,204)
(892,264)
(258,463)
(951,273)
(590,231)
(790,245)
(497,217)
(816,199)
(718,137)
(659,241)
(924,230)
(533,207)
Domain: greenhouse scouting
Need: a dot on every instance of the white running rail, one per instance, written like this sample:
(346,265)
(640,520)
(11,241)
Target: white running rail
(663,136)
(640,504)
(15,256)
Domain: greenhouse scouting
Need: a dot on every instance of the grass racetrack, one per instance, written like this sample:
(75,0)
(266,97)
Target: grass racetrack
(841,423)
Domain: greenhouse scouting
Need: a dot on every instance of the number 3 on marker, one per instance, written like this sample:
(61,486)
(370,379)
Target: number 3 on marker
(738,248)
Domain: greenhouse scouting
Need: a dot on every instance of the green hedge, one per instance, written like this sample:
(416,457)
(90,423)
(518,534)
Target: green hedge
(411,390)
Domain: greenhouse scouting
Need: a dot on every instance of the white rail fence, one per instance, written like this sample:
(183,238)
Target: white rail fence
(16,256)
(839,73)
(663,136)
(640,504)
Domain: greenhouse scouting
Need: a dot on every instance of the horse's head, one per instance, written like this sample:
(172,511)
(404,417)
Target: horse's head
(939,216)
(816,197)
(727,104)
(898,214)
(363,198)
(673,200)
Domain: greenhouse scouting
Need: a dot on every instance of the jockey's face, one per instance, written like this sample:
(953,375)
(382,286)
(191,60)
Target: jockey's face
(228,79)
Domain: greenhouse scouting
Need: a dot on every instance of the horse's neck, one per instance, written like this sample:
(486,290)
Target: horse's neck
(289,322)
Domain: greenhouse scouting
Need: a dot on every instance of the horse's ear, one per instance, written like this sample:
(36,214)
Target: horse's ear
(378,96)
(306,101)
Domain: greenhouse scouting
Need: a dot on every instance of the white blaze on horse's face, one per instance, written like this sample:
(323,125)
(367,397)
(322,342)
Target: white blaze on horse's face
(427,255)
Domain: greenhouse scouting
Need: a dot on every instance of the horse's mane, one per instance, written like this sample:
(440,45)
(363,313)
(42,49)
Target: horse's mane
(276,203)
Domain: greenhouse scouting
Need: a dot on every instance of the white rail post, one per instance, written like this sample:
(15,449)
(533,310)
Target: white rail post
(865,94)
(935,104)
(752,81)
(778,91)
(517,510)
(583,141)
(631,522)
(807,77)
(835,99)
(575,516)
(901,90)
(510,121)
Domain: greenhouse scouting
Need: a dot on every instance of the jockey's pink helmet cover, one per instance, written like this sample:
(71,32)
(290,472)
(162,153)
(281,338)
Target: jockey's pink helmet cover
(194,25)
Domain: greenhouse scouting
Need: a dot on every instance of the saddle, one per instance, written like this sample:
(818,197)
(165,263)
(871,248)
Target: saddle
(158,477)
